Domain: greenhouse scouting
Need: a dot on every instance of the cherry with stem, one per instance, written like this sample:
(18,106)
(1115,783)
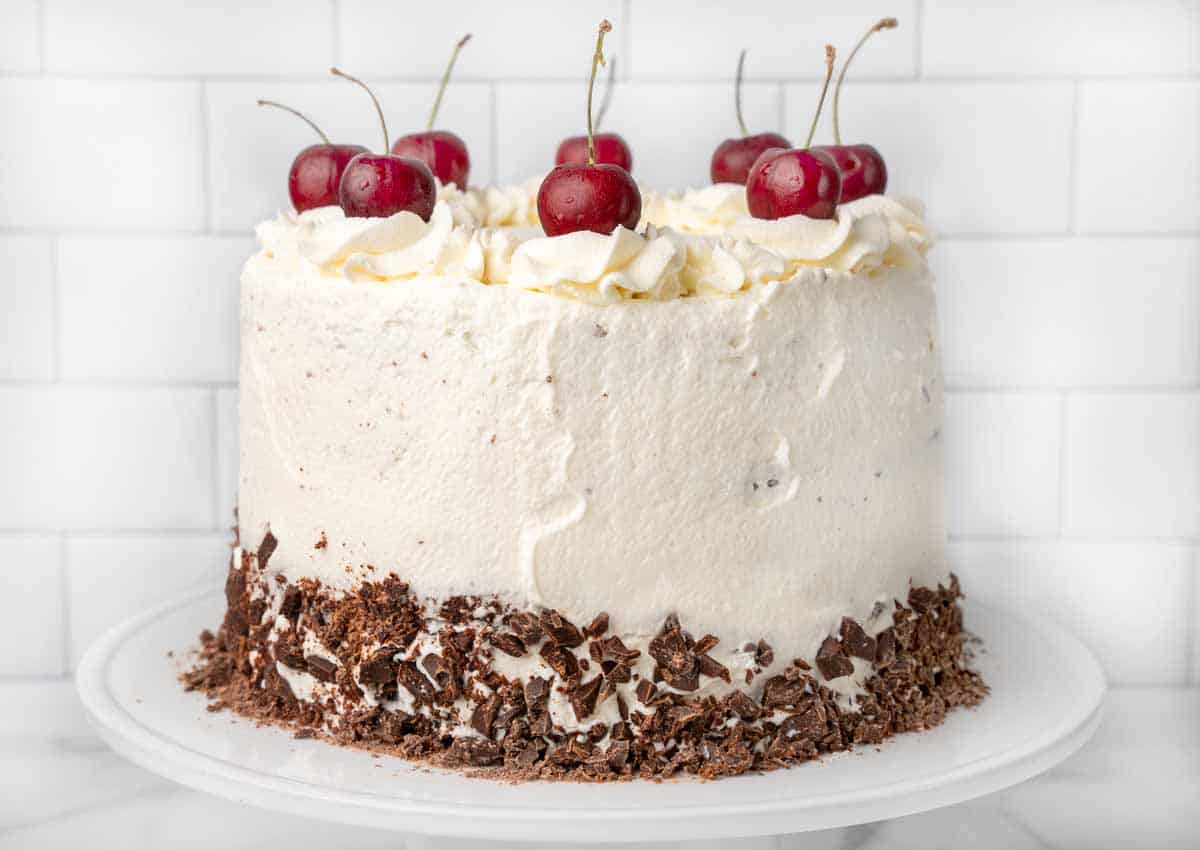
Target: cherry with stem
(603,147)
(591,195)
(443,151)
(862,167)
(379,185)
(317,170)
(798,181)
(733,158)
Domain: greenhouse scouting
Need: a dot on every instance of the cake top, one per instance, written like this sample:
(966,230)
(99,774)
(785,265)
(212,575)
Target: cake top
(587,230)
(699,242)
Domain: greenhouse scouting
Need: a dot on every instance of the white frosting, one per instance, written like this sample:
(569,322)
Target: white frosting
(699,243)
(761,464)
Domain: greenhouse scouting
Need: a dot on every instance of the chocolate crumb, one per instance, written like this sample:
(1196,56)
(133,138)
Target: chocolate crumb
(832,661)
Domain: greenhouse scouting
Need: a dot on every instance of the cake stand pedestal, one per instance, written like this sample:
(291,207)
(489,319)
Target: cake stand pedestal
(1045,703)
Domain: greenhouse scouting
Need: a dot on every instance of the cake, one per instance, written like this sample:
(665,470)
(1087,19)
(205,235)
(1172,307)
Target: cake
(595,505)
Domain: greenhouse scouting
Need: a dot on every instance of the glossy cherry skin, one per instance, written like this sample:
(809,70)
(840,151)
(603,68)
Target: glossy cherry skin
(443,151)
(733,158)
(599,198)
(378,185)
(862,168)
(611,149)
(793,182)
(316,172)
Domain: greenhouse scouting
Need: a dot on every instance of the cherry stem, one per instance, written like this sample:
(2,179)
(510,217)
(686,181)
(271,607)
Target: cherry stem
(299,115)
(608,92)
(374,100)
(597,61)
(437,101)
(830,54)
(882,24)
(737,93)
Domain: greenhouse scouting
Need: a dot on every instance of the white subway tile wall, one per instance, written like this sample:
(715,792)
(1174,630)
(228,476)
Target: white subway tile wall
(1056,146)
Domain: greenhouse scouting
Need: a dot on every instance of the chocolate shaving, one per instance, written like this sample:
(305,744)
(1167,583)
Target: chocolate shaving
(321,668)
(379,669)
(507,643)
(856,641)
(598,626)
(562,661)
(559,629)
(832,661)
(527,626)
(266,549)
(583,697)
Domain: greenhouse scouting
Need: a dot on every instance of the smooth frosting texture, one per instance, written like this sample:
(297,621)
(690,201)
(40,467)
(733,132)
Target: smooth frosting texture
(761,464)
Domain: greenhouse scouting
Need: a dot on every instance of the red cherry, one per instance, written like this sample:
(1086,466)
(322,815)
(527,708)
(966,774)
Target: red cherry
(792,181)
(599,198)
(732,159)
(379,185)
(611,149)
(316,171)
(444,152)
(797,181)
(862,168)
(592,195)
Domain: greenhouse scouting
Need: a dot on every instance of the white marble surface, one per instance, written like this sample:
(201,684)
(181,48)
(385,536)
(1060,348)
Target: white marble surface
(1137,785)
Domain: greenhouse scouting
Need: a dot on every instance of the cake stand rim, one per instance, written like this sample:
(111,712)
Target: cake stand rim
(174,760)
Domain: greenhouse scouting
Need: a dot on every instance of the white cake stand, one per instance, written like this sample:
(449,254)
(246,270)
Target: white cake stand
(1045,703)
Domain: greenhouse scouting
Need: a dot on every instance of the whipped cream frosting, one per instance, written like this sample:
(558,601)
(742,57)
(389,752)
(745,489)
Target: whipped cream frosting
(700,242)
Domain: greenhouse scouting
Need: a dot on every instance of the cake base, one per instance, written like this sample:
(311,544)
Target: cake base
(397,686)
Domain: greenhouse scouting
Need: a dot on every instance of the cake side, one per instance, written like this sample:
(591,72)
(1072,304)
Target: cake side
(715,441)
(453,683)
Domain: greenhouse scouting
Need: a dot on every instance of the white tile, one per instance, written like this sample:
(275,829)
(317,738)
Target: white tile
(105,458)
(227,455)
(647,115)
(1002,463)
(785,40)
(531,38)
(1100,312)
(32,628)
(150,307)
(1132,465)
(251,148)
(20,41)
(113,578)
(101,154)
(985,157)
(178,37)
(1025,37)
(1129,602)
(1139,157)
(26,308)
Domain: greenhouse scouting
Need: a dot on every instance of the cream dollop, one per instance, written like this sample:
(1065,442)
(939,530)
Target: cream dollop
(601,269)
(712,209)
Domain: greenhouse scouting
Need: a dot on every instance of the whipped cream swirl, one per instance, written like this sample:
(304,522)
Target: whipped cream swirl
(699,242)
